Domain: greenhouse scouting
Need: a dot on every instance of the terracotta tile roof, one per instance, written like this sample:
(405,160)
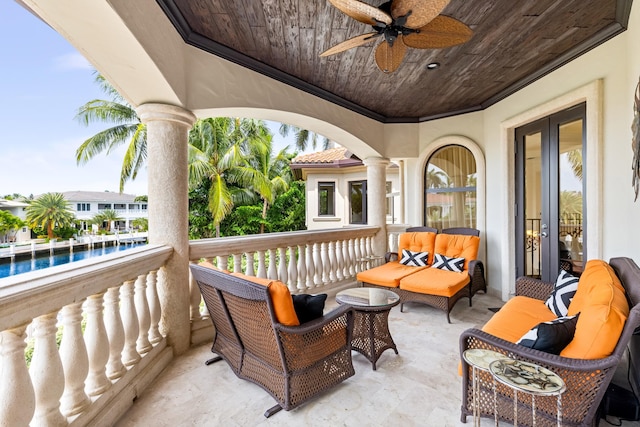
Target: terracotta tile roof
(328,156)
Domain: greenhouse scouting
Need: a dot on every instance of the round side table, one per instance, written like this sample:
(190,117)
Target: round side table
(479,359)
(528,378)
(371,306)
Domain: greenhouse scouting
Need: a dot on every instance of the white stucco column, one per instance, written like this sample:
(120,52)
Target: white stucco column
(167,139)
(376,200)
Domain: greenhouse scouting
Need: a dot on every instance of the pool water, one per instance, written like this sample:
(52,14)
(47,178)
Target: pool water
(40,262)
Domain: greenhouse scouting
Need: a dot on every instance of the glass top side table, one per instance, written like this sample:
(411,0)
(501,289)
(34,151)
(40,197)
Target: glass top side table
(371,306)
(528,378)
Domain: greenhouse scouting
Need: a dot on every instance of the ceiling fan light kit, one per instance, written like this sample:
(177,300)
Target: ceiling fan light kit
(400,24)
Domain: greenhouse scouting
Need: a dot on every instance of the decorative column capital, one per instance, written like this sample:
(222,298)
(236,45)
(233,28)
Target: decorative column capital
(165,112)
(376,161)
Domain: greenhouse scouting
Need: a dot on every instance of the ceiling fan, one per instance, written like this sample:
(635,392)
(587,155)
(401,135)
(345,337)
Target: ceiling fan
(401,23)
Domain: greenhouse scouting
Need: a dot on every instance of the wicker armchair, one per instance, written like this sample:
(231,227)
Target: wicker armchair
(292,363)
(586,380)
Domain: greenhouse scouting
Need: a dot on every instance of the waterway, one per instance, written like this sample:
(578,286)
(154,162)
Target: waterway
(40,262)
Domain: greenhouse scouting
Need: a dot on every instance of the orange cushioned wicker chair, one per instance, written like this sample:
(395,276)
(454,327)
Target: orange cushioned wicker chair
(292,362)
(429,285)
(608,299)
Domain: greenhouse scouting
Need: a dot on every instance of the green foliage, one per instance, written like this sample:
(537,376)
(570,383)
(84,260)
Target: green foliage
(51,210)
(9,223)
(201,224)
(288,210)
(107,216)
(142,224)
(242,220)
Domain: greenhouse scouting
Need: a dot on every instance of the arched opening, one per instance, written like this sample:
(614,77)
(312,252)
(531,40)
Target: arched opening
(450,180)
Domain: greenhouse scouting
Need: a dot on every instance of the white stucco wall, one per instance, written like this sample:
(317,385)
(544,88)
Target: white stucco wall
(341,178)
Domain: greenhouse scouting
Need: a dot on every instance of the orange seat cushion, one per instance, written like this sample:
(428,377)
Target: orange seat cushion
(419,241)
(388,274)
(434,281)
(280,298)
(602,304)
(458,246)
(517,317)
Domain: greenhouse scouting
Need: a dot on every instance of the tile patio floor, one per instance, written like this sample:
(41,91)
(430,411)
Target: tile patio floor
(418,387)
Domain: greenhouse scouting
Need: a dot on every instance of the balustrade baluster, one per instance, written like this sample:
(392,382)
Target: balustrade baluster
(46,373)
(339,261)
(273,271)
(250,269)
(326,265)
(237,263)
(353,260)
(282,268)
(332,261)
(194,297)
(317,261)
(363,248)
(95,336)
(75,361)
(310,267)
(345,259)
(142,311)
(130,355)
(262,265)
(370,247)
(17,397)
(154,307)
(223,263)
(292,269)
(302,268)
(358,252)
(115,333)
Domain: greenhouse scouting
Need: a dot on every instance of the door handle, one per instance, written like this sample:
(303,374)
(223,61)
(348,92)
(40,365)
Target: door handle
(544,234)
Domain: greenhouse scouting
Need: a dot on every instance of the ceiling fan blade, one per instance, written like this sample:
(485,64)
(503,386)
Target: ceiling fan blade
(389,58)
(442,32)
(362,12)
(351,43)
(421,11)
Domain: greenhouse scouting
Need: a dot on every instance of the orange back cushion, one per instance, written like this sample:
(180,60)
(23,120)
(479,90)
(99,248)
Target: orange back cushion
(420,241)
(280,298)
(602,304)
(458,246)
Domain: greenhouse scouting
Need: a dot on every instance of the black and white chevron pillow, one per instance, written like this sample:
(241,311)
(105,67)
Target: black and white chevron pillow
(551,337)
(444,262)
(414,259)
(563,292)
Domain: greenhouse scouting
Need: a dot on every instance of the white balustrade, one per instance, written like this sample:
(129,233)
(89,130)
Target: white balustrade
(54,386)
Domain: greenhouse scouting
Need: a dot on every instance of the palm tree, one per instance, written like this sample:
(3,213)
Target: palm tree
(575,160)
(216,147)
(436,178)
(128,127)
(303,137)
(108,216)
(266,175)
(49,211)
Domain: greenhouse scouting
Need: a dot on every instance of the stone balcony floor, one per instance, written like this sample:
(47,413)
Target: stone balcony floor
(418,387)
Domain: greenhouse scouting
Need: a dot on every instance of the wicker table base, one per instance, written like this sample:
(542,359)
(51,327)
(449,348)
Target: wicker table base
(371,336)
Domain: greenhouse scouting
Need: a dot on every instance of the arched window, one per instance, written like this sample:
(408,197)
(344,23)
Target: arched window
(450,188)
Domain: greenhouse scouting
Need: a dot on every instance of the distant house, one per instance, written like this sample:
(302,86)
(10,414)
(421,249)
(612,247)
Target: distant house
(16,208)
(336,189)
(86,204)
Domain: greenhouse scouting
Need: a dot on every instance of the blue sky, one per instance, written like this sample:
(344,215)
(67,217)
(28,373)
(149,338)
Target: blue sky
(43,82)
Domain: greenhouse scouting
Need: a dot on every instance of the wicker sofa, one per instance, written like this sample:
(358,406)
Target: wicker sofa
(427,285)
(293,362)
(608,300)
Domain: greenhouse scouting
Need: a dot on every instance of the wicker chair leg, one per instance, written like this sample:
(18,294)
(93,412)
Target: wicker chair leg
(272,410)
(213,360)
(402,308)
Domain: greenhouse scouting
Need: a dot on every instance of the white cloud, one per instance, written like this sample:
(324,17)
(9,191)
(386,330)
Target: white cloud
(72,61)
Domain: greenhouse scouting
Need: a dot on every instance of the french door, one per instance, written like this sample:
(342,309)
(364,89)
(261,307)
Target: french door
(550,195)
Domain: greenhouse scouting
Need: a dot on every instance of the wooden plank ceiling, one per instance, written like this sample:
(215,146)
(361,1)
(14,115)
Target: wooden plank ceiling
(513,44)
